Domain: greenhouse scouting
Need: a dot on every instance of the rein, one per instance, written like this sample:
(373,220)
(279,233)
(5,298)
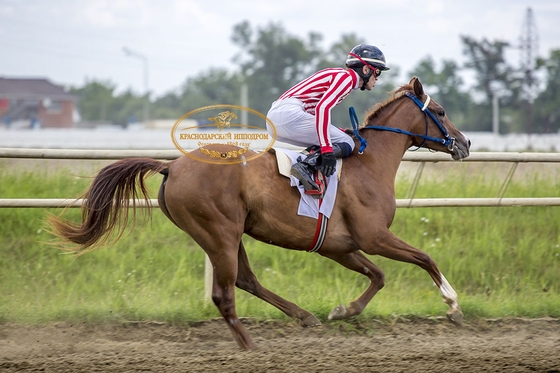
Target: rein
(446,140)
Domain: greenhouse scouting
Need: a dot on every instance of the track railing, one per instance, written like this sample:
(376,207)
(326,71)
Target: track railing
(408,202)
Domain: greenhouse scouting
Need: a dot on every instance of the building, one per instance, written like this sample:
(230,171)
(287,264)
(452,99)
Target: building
(37,102)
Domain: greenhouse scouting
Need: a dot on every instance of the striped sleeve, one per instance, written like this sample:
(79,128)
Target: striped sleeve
(341,85)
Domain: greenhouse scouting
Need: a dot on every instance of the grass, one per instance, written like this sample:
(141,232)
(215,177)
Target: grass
(502,261)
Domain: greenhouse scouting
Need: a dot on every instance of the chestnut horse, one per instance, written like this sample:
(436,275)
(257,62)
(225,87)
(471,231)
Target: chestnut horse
(217,204)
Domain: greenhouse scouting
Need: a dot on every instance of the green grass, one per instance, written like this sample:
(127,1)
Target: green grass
(501,261)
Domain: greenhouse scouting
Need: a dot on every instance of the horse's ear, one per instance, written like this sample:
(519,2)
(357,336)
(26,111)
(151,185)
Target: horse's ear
(418,89)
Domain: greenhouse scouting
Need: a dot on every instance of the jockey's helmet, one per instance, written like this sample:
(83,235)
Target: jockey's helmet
(365,54)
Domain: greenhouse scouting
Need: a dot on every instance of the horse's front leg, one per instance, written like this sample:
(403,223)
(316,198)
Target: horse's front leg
(392,247)
(454,314)
(358,262)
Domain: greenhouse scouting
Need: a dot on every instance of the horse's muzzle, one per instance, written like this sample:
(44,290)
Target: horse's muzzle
(459,148)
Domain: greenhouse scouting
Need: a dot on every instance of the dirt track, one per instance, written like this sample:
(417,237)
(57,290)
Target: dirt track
(420,345)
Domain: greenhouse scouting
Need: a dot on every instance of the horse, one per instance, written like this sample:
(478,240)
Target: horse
(216,204)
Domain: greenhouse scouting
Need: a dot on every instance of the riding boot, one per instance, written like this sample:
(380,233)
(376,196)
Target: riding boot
(304,171)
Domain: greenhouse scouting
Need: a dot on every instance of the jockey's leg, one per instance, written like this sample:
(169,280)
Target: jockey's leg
(293,125)
(304,169)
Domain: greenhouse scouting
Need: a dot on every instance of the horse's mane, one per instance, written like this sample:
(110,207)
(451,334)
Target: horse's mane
(374,111)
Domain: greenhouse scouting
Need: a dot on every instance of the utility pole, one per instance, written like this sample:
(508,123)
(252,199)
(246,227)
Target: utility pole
(144,59)
(528,45)
(244,103)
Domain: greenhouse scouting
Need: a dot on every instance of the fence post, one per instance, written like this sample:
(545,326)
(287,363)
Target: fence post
(208,279)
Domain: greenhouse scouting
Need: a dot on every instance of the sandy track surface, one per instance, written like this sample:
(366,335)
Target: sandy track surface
(401,345)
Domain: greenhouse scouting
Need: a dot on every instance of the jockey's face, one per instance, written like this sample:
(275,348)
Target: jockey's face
(372,80)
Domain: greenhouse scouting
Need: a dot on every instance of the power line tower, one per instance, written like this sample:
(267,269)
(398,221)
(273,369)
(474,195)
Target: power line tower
(528,45)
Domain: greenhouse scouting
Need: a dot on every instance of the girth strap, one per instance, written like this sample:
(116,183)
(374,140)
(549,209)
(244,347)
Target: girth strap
(322,223)
(320,233)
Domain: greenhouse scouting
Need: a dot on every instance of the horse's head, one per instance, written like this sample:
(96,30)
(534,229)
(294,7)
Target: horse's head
(425,122)
(436,125)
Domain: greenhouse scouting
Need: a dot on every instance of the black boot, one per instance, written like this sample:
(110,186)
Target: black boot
(304,171)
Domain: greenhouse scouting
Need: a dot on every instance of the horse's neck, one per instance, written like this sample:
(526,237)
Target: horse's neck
(385,150)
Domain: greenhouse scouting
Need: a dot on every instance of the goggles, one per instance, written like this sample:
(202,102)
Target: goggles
(376,71)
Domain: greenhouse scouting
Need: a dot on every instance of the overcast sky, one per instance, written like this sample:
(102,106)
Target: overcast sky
(70,42)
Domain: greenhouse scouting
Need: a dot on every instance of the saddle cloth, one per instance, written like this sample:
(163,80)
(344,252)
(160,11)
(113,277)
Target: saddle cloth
(308,206)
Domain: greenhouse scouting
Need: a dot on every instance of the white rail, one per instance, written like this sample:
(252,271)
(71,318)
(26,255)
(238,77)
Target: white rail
(408,202)
(421,156)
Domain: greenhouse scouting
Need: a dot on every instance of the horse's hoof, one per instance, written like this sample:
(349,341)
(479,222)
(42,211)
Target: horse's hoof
(310,321)
(456,318)
(338,313)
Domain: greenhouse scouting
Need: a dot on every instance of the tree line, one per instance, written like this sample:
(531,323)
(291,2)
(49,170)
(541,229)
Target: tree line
(271,60)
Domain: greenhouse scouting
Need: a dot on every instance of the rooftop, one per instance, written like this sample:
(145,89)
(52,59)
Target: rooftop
(17,88)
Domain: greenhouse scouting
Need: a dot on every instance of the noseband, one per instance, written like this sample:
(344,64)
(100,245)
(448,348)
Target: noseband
(445,140)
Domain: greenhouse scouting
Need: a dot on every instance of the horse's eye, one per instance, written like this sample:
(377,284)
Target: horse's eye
(441,113)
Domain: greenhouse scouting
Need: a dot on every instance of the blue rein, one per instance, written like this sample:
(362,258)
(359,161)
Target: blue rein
(446,140)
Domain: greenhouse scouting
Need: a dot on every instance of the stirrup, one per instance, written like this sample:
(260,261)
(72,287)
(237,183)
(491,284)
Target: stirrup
(316,193)
(314,188)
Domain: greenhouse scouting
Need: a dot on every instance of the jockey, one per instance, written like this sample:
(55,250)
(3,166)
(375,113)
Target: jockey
(302,115)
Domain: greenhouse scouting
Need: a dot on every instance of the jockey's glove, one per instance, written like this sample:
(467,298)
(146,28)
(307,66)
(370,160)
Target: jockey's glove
(327,164)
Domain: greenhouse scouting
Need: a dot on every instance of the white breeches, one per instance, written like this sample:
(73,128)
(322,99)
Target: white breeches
(297,127)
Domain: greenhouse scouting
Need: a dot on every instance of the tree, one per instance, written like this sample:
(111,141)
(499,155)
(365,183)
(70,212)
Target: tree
(212,87)
(216,86)
(487,60)
(337,53)
(445,87)
(272,60)
(546,112)
(167,106)
(493,76)
(95,100)
(127,108)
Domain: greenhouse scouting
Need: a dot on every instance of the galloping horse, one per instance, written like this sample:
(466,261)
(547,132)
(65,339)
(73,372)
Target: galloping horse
(217,204)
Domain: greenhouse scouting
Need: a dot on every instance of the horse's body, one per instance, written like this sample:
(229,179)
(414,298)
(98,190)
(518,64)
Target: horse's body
(217,204)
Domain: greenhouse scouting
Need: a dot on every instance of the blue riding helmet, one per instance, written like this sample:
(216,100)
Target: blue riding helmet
(365,54)
(368,53)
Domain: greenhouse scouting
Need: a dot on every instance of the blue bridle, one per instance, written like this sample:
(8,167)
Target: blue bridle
(446,140)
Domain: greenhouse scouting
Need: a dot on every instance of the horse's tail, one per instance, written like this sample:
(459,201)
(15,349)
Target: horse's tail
(106,203)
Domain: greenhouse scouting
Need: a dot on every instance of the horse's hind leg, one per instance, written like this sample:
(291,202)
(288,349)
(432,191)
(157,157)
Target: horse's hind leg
(223,294)
(358,262)
(247,281)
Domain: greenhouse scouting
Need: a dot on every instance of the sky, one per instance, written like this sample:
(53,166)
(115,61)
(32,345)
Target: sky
(74,42)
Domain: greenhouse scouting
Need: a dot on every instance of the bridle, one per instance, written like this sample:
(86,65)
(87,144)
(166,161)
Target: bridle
(445,140)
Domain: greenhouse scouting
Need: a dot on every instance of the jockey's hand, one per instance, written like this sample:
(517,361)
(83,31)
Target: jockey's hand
(328,164)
